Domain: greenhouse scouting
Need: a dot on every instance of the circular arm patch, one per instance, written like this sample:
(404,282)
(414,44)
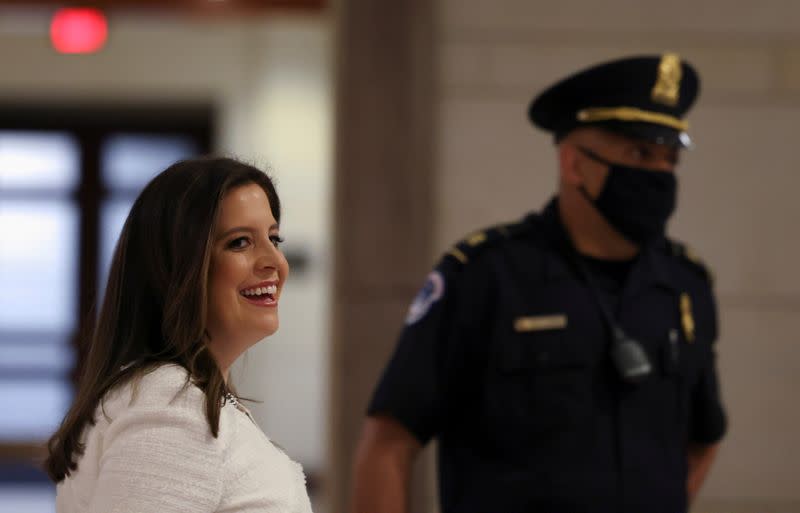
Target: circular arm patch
(431,292)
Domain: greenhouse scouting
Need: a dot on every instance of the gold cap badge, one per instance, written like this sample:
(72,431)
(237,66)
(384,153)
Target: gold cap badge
(668,82)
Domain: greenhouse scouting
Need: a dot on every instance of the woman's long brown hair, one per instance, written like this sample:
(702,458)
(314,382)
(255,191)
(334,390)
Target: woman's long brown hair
(154,309)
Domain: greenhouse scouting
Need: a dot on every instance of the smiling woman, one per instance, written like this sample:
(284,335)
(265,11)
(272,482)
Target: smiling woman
(247,274)
(195,280)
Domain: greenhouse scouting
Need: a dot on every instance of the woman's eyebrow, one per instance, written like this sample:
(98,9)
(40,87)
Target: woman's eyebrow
(233,230)
(244,229)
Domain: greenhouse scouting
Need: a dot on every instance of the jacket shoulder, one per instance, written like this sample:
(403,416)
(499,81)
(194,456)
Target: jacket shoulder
(473,245)
(690,259)
(164,386)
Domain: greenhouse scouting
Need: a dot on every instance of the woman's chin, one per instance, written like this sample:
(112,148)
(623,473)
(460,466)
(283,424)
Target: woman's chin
(267,329)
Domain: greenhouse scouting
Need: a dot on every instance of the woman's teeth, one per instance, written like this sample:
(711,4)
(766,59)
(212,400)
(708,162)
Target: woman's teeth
(260,291)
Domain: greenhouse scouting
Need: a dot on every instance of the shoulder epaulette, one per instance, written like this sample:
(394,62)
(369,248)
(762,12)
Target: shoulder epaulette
(685,253)
(482,239)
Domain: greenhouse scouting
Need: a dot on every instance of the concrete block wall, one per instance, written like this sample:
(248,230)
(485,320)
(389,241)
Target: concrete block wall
(737,204)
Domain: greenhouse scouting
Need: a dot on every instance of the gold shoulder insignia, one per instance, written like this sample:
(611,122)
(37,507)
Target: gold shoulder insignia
(458,255)
(477,238)
(472,243)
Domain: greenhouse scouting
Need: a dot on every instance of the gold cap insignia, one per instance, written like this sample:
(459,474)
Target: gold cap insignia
(687,319)
(668,83)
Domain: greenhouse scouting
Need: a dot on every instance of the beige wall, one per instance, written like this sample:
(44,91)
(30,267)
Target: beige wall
(738,203)
(270,80)
(383,202)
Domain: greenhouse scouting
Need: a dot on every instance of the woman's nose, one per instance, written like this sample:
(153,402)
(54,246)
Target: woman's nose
(268,258)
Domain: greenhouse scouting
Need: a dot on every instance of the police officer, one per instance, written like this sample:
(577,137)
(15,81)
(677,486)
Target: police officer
(565,362)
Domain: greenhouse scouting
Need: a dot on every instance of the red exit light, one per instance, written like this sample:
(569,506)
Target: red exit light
(78,30)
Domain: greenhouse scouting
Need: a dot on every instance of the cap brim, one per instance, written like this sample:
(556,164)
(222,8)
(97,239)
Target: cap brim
(657,134)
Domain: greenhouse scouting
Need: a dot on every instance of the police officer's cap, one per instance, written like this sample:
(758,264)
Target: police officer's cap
(644,97)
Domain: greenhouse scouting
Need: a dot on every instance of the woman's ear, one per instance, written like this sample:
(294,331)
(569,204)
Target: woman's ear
(568,163)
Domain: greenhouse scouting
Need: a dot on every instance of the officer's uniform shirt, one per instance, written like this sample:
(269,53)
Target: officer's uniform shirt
(608,278)
(505,359)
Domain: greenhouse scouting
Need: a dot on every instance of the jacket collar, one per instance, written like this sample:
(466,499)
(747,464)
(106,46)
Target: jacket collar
(650,267)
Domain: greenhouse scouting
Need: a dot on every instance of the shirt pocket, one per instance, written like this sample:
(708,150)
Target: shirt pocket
(544,380)
(664,394)
(681,360)
(541,351)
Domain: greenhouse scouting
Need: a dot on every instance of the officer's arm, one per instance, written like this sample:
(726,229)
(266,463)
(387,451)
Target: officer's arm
(436,354)
(385,454)
(700,459)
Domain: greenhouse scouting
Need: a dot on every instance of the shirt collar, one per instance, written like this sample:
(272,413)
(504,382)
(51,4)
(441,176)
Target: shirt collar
(650,267)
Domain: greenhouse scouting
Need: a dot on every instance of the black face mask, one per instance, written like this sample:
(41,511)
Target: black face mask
(636,201)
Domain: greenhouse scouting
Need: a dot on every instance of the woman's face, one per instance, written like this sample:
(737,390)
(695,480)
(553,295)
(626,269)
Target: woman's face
(246,275)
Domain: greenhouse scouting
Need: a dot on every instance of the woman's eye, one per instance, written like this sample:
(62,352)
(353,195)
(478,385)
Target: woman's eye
(276,240)
(239,243)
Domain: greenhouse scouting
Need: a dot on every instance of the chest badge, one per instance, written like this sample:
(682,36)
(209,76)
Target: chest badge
(687,318)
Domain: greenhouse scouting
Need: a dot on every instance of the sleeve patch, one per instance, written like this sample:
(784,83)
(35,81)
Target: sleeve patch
(431,292)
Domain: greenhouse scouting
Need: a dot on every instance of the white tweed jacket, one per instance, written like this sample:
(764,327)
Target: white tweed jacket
(153,452)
